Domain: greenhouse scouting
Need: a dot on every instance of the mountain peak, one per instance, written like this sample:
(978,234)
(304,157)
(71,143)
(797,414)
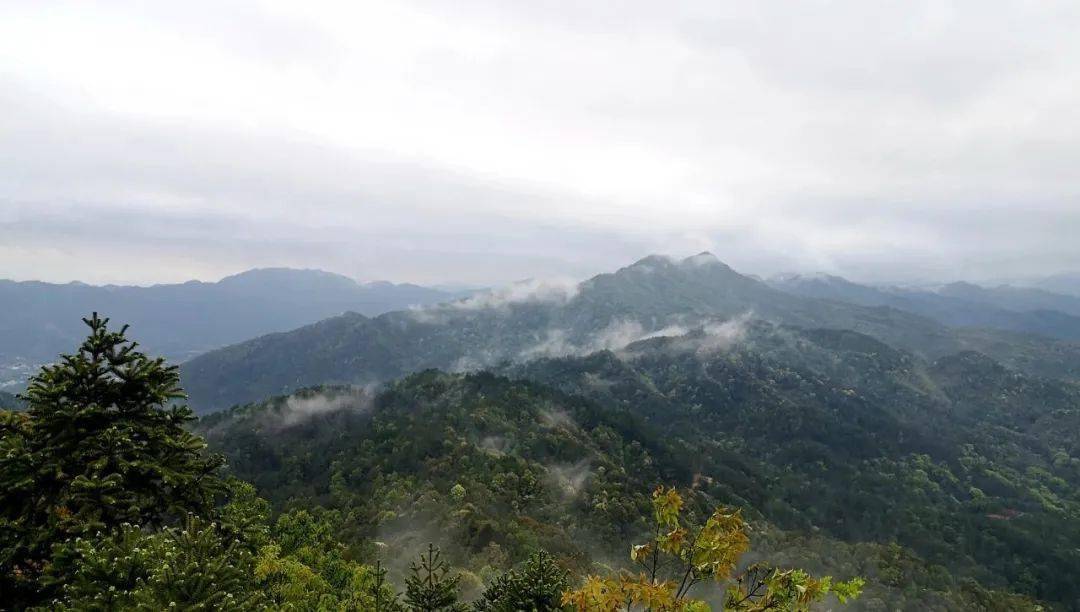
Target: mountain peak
(651,262)
(703,258)
(282,279)
(282,273)
(800,278)
(654,263)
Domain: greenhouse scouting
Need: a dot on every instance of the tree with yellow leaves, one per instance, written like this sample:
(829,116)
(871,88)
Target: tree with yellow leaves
(679,556)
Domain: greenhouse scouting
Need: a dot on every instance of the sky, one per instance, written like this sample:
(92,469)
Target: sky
(482,142)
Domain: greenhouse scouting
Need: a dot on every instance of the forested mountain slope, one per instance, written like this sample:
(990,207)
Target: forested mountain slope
(960,459)
(40,320)
(490,468)
(655,296)
(109,501)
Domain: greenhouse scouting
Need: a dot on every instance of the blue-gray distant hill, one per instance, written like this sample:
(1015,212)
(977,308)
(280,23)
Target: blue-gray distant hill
(41,320)
(1020,309)
(9,401)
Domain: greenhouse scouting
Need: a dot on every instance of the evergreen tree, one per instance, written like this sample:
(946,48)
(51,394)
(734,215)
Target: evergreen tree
(430,587)
(537,586)
(100,446)
(193,566)
(380,592)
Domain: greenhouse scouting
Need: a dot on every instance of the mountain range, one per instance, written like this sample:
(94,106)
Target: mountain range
(926,439)
(41,320)
(656,296)
(957,304)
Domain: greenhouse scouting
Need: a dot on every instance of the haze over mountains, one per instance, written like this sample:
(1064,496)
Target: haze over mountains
(42,320)
(958,304)
(656,296)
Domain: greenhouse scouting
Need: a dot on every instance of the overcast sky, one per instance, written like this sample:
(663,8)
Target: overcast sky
(482,142)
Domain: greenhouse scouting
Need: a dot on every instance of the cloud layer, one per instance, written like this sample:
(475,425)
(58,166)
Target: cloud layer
(484,142)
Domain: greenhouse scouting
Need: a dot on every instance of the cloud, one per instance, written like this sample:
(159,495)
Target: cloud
(496,445)
(302,406)
(569,479)
(549,291)
(555,291)
(704,337)
(616,335)
(719,337)
(554,344)
(499,140)
(556,418)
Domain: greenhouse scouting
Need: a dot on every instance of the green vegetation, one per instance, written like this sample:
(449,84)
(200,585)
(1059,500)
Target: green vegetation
(966,463)
(95,451)
(897,467)
(945,485)
(692,555)
(109,503)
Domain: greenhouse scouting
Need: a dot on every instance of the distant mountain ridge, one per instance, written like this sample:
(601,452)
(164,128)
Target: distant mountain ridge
(9,401)
(1066,283)
(959,304)
(41,320)
(656,296)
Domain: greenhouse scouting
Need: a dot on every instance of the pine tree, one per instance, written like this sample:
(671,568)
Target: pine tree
(430,587)
(100,446)
(537,586)
(192,566)
(379,591)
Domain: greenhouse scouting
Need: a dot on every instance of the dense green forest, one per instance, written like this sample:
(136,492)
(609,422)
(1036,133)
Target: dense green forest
(971,465)
(959,465)
(794,453)
(111,503)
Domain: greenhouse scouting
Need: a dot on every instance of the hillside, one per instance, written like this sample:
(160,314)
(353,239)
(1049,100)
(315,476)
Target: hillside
(40,320)
(655,296)
(539,467)
(958,459)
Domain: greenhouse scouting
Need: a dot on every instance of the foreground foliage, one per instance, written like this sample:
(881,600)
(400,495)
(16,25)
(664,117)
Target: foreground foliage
(679,556)
(96,449)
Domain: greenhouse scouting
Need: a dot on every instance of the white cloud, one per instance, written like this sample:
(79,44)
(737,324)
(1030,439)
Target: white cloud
(721,336)
(430,141)
(549,291)
(569,479)
(556,418)
(616,335)
(558,291)
(304,406)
